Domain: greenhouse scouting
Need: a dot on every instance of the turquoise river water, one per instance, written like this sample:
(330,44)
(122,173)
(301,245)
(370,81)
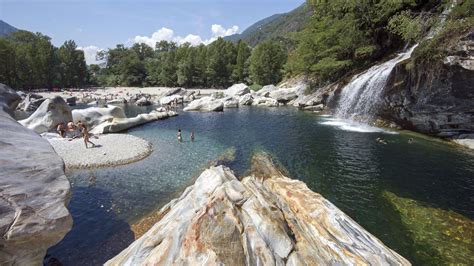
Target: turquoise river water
(343,162)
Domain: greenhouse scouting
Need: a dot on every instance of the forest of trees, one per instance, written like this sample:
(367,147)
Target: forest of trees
(343,38)
(29,60)
(218,64)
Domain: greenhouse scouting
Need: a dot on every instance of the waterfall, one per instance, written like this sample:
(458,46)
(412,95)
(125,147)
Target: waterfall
(360,98)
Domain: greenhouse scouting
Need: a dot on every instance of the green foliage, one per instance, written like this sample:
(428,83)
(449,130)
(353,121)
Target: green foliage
(30,61)
(275,27)
(256,87)
(266,63)
(458,24)
(344,36)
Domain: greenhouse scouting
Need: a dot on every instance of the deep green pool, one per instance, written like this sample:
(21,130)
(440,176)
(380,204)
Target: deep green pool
(343,162)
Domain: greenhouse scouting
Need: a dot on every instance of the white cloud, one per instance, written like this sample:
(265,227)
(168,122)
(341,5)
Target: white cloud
(165,34)
(90,53)
(219,31)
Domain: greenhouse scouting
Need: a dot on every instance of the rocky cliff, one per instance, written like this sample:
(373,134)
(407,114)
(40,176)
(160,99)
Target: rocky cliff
(33,191)
(435,99)
(265,218)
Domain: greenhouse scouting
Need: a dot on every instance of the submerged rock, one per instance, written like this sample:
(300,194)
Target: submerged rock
(263,219)
(33,191)
(205,104)
(441,237)
(50,113)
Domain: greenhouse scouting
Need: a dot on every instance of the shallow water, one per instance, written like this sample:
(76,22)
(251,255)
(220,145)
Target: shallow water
(341,161)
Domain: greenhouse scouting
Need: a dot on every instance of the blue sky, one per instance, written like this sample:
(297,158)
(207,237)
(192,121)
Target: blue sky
(105,23)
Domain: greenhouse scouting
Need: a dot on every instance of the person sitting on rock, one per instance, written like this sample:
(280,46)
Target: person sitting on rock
(61,129)
(85,135)
(72,131)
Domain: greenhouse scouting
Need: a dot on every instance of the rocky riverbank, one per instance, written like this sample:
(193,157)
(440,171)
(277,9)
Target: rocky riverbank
(263,218)
(33,190)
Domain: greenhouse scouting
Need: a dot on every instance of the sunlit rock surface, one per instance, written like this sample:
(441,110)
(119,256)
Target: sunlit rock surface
(263,219)
(93,116)
(205,104)
(441,237)
(33,191)
(237,90)
(48,115)
(120,124)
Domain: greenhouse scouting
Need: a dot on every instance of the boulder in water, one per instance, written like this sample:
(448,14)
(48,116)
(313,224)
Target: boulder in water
(265,218)
(237,90)
(48,115)
(230,102)
(246,99)
(205,104)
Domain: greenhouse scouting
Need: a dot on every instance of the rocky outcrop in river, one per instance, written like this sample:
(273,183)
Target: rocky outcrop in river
(438,100)
(33,191)
(265,218)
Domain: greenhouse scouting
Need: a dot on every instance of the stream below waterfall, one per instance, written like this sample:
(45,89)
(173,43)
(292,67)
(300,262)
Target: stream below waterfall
(340,160)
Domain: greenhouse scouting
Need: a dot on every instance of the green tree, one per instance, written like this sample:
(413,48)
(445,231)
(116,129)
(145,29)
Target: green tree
(73,69)
(266,63)
(241,68)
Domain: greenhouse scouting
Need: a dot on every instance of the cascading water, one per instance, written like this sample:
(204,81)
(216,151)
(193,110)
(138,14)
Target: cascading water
(361,96)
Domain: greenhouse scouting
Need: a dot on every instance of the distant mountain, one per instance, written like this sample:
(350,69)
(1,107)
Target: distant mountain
(278,25)
(6,29)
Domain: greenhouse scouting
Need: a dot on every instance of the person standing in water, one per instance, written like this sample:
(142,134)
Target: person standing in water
(180,137)
(192,136)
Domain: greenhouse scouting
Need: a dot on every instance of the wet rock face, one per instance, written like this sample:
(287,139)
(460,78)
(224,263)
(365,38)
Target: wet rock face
(263,219)
(33,192)
(436,100)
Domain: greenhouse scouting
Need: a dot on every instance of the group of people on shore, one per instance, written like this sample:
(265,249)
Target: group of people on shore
(180,136)
(73,131)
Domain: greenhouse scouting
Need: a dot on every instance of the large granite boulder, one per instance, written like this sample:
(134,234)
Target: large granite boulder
(265,90)
(33,191)
(169,99)
(237,90)
(93,116)
(265,218)
(9,99)
(230,102)
(264,101)
(284,95)
(246,99)
(50,113)
(120,124)
(143,101)
(31,102)
(205,104)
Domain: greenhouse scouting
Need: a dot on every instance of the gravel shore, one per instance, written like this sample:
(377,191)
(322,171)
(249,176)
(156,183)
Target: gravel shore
(111,149)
